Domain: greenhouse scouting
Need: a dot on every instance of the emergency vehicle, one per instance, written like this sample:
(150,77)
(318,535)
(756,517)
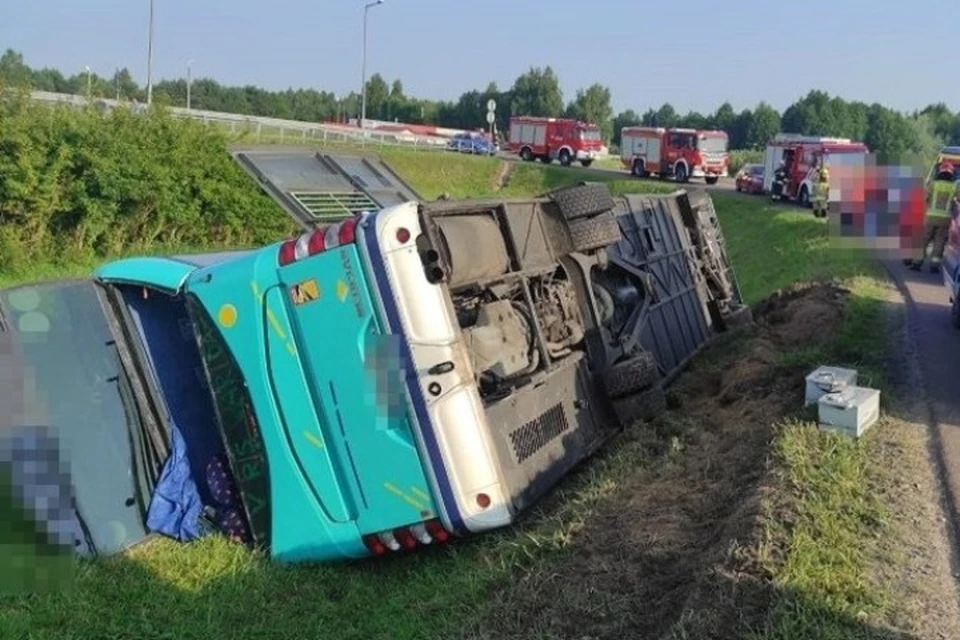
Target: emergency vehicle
(549,139)
(802,155)
(680,153)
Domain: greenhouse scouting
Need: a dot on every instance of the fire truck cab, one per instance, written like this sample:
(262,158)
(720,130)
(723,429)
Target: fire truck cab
(549,139)
(802,155)
(677,153)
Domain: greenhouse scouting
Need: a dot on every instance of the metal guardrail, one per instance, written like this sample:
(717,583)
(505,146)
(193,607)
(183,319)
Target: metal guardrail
(259,129)
(262,129)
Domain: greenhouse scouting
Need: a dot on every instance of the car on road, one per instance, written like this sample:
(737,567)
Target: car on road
(750,179)
(472,142)
(376,383)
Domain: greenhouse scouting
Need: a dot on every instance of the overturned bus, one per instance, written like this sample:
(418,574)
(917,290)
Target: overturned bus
(400,373)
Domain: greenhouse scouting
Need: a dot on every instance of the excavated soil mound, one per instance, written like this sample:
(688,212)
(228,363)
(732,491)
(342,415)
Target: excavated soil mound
(669,555)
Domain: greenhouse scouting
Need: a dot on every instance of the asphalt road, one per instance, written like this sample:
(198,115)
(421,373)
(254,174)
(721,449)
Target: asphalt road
(936,343)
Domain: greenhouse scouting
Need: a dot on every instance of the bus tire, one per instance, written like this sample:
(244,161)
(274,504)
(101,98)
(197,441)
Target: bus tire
(631,376)
(582,200)
(641,407)
(587,234)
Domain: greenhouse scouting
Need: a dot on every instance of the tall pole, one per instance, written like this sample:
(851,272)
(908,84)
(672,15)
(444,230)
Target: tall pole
(150,58)
(117,76)
(89,88)
(363,82)
(189,62)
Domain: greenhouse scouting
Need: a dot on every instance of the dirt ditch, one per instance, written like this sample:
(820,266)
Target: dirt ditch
(669,554)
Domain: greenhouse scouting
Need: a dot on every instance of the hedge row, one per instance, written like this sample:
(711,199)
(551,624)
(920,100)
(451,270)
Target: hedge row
(77,185)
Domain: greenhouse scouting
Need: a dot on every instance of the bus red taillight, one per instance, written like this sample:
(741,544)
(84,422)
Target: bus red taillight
(405,538)
(437,532)
(374,545)
(288,252)
(315,242)
(348,231)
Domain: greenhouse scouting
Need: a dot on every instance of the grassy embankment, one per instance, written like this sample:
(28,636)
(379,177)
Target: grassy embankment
(71,195)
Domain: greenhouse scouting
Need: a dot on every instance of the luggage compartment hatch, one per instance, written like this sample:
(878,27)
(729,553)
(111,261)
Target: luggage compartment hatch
(315,187)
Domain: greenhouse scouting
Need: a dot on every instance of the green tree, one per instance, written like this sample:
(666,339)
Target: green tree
(764,124)
(725,118)
(13,70)
(537,93)
(889,135)
(665,116)
(378,92)
(628,118)
(593,105)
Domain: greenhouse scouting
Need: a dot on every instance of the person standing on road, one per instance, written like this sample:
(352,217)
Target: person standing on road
(940,209)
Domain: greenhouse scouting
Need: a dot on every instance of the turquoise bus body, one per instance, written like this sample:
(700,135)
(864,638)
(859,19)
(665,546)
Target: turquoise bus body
(326,389)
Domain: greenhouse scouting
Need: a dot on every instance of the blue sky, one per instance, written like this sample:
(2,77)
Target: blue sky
(695,58)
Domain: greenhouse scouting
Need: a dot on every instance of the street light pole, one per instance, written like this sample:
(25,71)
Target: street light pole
(189,62)
(150,58)
(117,78)
(363,86)
(89,89)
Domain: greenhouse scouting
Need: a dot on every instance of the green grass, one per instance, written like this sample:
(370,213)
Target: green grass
(822,526)
(166,590)
(824,522)
(773,246)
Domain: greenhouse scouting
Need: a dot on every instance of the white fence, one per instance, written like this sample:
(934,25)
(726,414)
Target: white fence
(261,129)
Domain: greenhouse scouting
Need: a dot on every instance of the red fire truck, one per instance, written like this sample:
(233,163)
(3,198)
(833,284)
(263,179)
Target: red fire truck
(677,153)
(552,139)
(802,155)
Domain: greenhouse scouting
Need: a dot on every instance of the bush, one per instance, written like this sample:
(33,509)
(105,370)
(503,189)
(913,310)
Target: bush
(79,185)
(740,157)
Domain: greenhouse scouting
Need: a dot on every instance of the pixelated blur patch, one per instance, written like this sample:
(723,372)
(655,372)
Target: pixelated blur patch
(876,207)
(385,389)
(38,528)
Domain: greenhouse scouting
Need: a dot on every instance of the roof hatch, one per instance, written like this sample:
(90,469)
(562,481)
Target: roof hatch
(315,187)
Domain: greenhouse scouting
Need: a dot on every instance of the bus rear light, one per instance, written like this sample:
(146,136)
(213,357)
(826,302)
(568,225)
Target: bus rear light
(389,541)
(435,529)
(347,232)
(483,500)
(403,235)
(315,242)
(420,533)
(374,545)
(405,538)
(288,252)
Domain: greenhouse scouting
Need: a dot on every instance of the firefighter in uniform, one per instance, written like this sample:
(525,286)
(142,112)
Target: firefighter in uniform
(821,200)
(941,194)
(779,180)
